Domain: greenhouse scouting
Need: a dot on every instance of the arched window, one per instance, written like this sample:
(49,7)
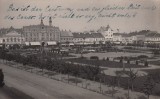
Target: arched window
(3,40)
(7,39)
(11,39)
(15,39)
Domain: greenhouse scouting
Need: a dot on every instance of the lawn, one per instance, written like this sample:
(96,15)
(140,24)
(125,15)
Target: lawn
(155,62)
(104,63)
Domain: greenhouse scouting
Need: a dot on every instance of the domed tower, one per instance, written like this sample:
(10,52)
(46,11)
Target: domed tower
(50,21)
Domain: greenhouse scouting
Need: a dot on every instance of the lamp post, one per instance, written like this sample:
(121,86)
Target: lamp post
(123,63)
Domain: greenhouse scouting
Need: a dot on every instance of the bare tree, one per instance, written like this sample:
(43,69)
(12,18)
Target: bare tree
(132,76)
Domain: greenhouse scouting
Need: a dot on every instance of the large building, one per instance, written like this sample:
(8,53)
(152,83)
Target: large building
(42,33)
(11,36)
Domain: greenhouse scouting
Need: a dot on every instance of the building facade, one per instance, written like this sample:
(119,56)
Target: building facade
(107,32)
(41,33)
(12,36)
(88,38)
(66,36)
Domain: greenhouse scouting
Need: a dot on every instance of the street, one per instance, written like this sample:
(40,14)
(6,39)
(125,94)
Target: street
(37,87)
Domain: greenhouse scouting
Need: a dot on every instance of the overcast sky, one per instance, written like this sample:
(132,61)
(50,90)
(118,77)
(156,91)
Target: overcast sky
(144,19)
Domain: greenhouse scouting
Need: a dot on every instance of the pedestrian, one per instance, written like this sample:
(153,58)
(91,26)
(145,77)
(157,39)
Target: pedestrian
(1,78)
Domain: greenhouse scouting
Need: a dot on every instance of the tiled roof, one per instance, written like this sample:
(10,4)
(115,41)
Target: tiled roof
(88,35)
(104,28)
(66,33)
(4,31)
(145,33)
(155,34)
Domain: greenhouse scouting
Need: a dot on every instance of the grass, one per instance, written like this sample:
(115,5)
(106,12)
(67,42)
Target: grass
(155,62)
(104,63)
(73,80)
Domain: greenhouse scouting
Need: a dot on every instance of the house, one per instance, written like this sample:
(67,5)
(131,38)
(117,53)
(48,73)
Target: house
(107,32)
(88,38)
(42,33)
(12,36)
(117,38)
(66,36)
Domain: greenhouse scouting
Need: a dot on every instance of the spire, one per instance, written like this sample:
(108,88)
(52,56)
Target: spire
(50,21)
(42,22)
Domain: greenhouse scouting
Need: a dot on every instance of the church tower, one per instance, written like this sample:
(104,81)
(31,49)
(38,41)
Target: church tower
(50,21)
(42,22)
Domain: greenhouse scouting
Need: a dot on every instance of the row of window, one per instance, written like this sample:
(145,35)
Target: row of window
(66,38)
(12,40)
(36,39)
(43,34)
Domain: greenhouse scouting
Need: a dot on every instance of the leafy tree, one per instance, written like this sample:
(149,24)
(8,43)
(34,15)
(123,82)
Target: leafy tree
(148,86)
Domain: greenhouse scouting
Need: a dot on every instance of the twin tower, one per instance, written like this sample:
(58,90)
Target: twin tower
(50,21)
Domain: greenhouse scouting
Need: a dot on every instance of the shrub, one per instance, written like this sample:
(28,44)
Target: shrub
(136,62)
(94,58)
(142,56)
(146,63)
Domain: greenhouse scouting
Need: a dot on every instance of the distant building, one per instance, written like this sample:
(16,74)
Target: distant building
(66,36)
(117,38)
(107,32)
(127,39)
(11,36)
(88,38)
(153,38)
(42,33)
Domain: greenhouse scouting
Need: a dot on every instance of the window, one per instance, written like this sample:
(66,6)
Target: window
(18,40)
(3,40)
(11,39)
(7,39)
(15,39)
(34,39)
(42,38)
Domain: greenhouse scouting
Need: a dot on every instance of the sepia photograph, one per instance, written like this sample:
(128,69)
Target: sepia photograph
(79,49)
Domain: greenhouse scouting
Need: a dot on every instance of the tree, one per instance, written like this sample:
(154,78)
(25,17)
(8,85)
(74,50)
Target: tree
(146,63)
(75,71)
(136,62)
(113,81)
(118,76)
(148,86)
(133,76)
